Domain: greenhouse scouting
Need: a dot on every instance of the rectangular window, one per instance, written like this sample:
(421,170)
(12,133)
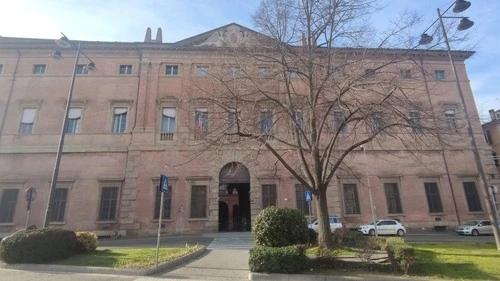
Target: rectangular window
(125,69)
(109,198)
(27,121)
(370,73)
(58,204)
(293,74)
(300,199)
(339,119)
(201,123)
(299,118)
(199,201)
(119,119)
(82,69)
(167,199)
(74,120)
(172,70)
(414,119)
(393,200)
(487,136)
(8,205)
(268,195)
(39,69)
(472,197)
(439,74)
(405,73)
(451,119)
(168,120)
(351,200)
(1,68)
(266,122)
(378,122)
(201,70)
(264,71)
(433,198)
(231,121)
(235,71)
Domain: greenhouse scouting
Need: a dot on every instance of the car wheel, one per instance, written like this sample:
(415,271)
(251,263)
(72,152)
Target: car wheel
(371,232)
(475,232)
(401,233)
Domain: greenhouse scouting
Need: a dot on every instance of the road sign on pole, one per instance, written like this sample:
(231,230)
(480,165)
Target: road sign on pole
(163,183)
(163,189)
(308,196)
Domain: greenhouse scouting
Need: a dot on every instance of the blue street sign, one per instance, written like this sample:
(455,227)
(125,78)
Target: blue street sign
(308,196)
(163,183)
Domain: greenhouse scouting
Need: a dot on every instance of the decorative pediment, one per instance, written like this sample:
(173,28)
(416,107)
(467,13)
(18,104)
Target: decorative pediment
(232,35)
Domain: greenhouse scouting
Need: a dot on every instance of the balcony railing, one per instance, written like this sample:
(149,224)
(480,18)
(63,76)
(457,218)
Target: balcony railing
(165,136)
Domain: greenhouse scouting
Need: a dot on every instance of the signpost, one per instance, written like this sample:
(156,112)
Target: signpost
(308,196)
(29,195)
(163,188)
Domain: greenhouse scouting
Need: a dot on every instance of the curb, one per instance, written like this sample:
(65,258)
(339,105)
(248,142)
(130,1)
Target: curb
(306,277)
(104,270)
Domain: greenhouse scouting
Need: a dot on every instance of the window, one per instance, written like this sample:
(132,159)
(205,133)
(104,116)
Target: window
(378,122)
(8,205)
(393,200)
(451,119)
(27,121)
(199,201)
(487,136)
(201,70)
(168,120)
(414,119)
(201,123)
(82,69)
(234,71)
(231,121)
(370,73)
(293,74)
(433,198)
(266,122)
(339,119)
(351,200)
(300,197)
(39,69)
(126,69)
(439,74)
(74,120)
(167,199)
(299,118)
(472,197)
(264,71)
(405,73)
(172,70)
(58,204)
(1,68)
(109,198)
(119,119)
(268,195)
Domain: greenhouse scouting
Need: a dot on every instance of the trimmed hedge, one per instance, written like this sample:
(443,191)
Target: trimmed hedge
(86,241)
(279,227)
(401,255)
(290,259)
(38,246)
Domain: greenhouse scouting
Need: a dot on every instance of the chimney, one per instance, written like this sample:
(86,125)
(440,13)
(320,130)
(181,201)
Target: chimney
(159,36)
(492,114)
(148,35)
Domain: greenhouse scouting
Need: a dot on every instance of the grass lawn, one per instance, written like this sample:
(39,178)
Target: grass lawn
(127,257)
(457,261)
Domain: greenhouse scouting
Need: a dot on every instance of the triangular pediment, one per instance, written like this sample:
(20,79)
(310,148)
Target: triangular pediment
(232,35)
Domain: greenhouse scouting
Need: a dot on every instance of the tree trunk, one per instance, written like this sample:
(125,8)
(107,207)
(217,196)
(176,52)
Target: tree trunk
(324,232)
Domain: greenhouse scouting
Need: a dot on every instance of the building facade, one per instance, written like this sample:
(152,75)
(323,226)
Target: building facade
(131,120)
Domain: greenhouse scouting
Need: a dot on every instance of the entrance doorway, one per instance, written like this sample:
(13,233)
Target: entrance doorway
(234,198)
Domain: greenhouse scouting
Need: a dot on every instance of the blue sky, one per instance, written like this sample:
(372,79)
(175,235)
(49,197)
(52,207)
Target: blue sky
(127,20)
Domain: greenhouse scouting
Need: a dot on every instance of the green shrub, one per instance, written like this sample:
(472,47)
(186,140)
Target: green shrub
(279,227)
(38,246)
(312,237)
(86,241)
(291,259)
(401,255)
(351,238)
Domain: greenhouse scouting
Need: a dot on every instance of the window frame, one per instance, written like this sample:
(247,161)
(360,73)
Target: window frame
(113,203)
(300,199)
(167,203)
(414,118)
(405,73)
(439,74)
(165,117)
(339,119)
(116,127)
(450,115)
(477,199)
(61,204)
(356,209)
(81,69)
(27,128)
(2,66)
(202,70)
(127,69)
(265,117)
(433,197)
(8,205)
(39,69)
(200,211)
(393,198)
(74,126)
(174,70)
(378,121)
(269,193)
(200,123)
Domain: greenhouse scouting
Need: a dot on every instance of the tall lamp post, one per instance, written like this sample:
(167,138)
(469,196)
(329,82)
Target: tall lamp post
(65,43)
(372,207)
(465,23)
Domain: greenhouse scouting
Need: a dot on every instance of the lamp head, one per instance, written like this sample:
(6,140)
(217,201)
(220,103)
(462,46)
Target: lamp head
(63,42)
(465,23)
(90,66)
(56,54)
(425,39)
(460,6)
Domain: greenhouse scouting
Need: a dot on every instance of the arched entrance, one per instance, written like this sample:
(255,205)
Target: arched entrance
(234,193)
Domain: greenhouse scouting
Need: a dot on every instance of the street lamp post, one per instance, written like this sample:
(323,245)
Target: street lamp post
(64,42)
(372,207)
(465,23)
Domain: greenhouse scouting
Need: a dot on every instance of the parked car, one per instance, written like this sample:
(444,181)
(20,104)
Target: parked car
(475,228)
(335,223)
(384,227)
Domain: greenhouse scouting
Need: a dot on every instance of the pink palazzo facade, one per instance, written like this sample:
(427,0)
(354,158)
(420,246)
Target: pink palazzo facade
(130,122)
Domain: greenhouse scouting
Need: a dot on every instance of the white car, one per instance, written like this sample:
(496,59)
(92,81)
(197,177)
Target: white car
(335,223)
(475,228)
(384,227)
